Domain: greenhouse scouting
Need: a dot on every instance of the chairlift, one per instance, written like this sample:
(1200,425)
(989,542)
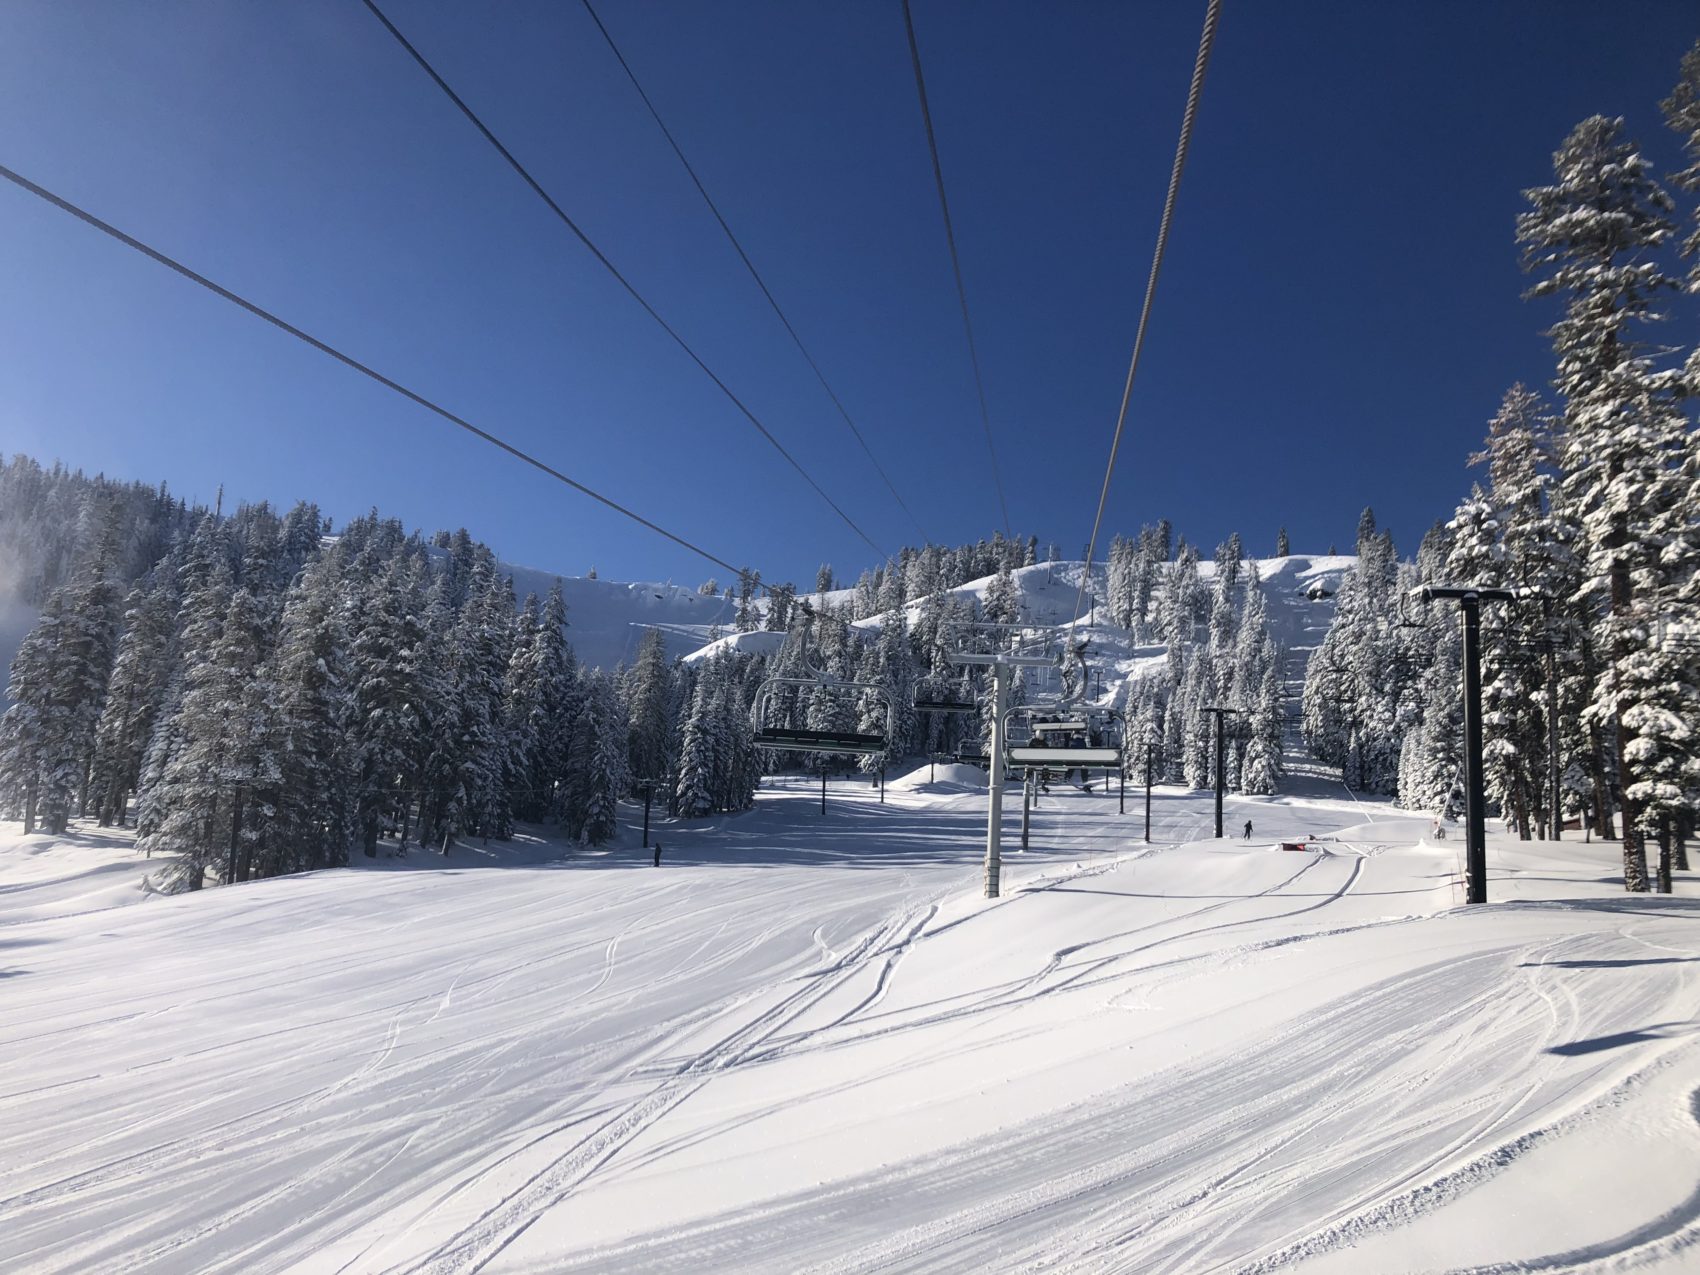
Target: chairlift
(945,706)
(787,739)
(1065,745)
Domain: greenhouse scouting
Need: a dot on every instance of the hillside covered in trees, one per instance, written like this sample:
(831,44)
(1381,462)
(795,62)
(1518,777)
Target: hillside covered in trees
(266,695)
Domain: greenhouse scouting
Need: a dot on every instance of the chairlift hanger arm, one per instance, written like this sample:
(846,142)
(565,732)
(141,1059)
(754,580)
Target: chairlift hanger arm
(1437,592)
(1013,661)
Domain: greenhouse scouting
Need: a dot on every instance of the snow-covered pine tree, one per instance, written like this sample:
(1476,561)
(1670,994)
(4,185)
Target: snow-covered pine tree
(648,701)
(136,693)
(1682,113)
(58,688)
(224,728)
(1003,602)
(748,583)
(1261,771)
(484,648)
(695,790)
(303,818)
(1590,237)
(602,757)
(386,713)
(558,704)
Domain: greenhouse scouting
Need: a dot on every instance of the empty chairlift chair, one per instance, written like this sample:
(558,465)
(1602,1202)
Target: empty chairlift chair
(788,739)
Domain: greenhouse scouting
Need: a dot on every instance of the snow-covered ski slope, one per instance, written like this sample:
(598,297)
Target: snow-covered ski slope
(1298,591)
(606,619)
(805,1043)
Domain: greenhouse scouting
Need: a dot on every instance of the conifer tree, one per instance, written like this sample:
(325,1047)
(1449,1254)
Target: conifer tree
(141,676)
(1590,237)
(695,794)
(386,712)
(303,818)
(648,707)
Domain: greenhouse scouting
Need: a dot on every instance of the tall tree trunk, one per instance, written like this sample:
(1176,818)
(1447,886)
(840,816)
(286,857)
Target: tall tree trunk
(1595,760)
(1634,845)
(1664,855)
(1601,805)
(235,838)
(29,806)
(1684,824)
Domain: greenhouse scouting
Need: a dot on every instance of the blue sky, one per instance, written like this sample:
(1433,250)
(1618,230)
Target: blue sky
(1338,316)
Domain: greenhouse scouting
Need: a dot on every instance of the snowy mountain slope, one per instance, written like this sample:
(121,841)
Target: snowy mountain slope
(806,1043)
(606,619)
(1298,593)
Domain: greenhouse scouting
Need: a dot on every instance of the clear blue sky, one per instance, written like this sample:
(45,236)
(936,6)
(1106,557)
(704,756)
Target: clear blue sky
(1338,316)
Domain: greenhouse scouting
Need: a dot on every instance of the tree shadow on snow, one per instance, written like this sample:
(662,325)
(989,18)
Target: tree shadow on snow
(1611,965)
(1658,1031)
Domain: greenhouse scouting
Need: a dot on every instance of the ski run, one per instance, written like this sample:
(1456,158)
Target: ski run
(806,1043)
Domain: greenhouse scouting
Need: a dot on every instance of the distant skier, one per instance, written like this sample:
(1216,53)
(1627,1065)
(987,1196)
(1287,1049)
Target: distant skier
(1248,829)
(658,854)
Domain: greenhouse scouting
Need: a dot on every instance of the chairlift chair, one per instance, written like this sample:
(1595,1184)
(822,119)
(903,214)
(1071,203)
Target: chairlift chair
(945,706)
(1047,747)
(787,739)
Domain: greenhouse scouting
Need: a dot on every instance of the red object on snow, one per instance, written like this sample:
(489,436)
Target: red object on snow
(1294,845)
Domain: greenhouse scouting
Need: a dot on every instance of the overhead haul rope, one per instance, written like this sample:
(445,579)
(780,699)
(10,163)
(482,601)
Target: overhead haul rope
(1205,41)
(621,279)
(347,360)
(955,263)
(749,265)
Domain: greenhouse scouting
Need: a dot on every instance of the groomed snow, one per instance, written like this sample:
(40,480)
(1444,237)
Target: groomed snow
(806,1043)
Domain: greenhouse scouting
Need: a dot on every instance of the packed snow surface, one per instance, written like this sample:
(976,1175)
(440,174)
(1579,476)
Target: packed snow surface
(807,1043)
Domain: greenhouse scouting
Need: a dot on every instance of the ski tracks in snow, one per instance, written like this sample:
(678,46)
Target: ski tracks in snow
(471,1248)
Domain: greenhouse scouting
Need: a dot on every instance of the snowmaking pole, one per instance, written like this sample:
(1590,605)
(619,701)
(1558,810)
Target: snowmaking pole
(1470,599)
(1026,805)
(1221,774)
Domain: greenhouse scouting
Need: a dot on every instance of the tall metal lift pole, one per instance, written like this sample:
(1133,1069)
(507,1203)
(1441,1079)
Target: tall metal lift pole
(1221,776)
(1470,599)
(1148,793)
(1001,666)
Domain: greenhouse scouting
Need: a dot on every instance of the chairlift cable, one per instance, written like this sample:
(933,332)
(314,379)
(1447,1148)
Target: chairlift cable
(347,360)
(621,279)
(1206,40)
(955,263)
(751,267)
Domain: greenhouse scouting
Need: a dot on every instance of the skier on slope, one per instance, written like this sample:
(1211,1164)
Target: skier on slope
(1248,829)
